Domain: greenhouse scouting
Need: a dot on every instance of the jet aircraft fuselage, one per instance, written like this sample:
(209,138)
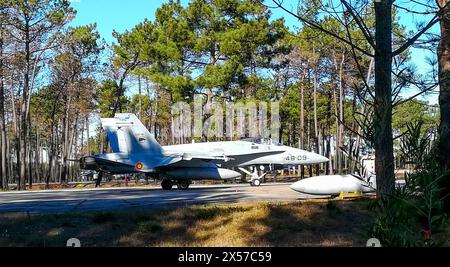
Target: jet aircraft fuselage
(135,150)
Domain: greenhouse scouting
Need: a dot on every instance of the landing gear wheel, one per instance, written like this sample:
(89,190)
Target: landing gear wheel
(167,185)
(256,182)
(183,185)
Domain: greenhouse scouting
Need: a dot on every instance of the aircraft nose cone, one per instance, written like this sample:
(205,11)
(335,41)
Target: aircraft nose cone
(306,157)
(298,186)
(323,159)
(317,159)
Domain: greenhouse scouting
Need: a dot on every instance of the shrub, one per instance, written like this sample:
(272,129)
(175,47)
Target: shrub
(414,215)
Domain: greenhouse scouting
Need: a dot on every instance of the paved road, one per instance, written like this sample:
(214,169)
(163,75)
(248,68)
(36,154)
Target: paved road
(122,198)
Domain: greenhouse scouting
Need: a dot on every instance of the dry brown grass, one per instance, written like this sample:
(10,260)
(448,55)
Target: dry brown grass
(275,224)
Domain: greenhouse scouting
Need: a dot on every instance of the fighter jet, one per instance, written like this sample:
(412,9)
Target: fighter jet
(135,150)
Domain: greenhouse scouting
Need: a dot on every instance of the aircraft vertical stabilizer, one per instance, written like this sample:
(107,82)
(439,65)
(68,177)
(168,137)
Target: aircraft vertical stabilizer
(129,135)
(111,131)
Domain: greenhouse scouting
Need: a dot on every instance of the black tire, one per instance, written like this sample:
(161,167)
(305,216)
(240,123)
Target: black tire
(167,185)
(183,185)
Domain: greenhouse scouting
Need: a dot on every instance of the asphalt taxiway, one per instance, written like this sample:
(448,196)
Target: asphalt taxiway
(63,201)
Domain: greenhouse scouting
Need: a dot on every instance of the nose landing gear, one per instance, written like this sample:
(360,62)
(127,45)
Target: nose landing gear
(256,182)
(256,179)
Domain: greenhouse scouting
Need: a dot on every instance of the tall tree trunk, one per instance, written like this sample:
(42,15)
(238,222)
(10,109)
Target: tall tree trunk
(301,141)
(155,121)
(444,83)
(16,133)
(23,112)
(37,158)
(88,153)
(3,141)
(72,146)
(302,116)
(53,139)
(328,154)
(444,96)
(140,97)
(316,123)
(336,115)
(51,147)
(352,136)
(29,160)
(384,154)
(9,173)
(83,129)
(65,142)
(50,152)
(363,111)
(341,113)
(316,127)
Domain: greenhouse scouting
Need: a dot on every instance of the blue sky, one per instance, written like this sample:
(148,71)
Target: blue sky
(121,15)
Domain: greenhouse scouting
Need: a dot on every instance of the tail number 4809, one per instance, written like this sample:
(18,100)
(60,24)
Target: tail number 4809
(296,158)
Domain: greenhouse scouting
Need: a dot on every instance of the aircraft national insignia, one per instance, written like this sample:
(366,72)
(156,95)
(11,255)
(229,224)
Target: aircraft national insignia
(139,166)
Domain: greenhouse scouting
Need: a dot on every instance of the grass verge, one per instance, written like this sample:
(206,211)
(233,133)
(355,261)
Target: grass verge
(256,225)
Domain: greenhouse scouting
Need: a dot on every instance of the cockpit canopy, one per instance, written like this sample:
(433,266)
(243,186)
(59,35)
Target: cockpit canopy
(262,141)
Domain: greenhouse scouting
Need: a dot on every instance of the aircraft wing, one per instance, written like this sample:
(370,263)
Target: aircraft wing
(155,164)
(198,161)
(117,163)
(102,164)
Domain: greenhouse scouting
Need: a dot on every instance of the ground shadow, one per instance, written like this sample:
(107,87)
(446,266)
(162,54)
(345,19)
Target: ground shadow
(311,224)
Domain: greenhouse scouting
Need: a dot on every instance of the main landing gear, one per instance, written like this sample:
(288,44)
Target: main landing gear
(167,185)
(181,184)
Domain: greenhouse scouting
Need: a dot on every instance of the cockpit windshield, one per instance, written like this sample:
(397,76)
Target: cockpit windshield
(262,141)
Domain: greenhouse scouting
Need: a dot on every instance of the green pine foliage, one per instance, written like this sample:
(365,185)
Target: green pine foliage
(414,215)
